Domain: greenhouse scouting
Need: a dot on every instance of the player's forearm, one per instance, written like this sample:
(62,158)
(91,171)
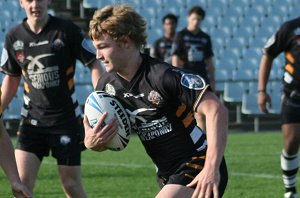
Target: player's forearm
(9,88)
(216,131)
(217,127)
(7,157)
(264,71)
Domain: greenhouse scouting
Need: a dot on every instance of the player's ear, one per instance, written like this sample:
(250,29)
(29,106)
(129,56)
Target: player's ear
(126,41)
(21,3)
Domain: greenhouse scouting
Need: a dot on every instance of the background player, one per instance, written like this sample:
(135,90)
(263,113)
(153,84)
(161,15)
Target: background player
(161,48)
(192,48)
(160,108)
(8,162)
(44,49)
(286,40)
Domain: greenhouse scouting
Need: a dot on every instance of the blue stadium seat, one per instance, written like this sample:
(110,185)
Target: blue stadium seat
(221,76)
(91,3)
(243,74)
(233,91)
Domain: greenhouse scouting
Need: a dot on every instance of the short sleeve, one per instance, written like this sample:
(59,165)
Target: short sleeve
(81,48)
(9,64)
(187,87)
(278,42)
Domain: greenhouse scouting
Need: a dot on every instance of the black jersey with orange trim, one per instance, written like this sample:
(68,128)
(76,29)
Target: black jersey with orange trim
(287,40)
(47,62)
(160,100)
(162,49)
(193,49)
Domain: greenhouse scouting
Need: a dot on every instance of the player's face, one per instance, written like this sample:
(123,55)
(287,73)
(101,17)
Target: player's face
(194,21)
(36,10)
(109,52)
(169,26)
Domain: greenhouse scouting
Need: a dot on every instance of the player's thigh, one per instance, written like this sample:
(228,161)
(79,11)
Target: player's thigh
(28,167)
(175,191)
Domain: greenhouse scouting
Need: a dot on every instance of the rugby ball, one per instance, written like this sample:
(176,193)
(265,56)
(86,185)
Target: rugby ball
(99,102)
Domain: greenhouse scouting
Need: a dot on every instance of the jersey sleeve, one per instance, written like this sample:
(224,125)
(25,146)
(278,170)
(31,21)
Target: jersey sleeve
(9,64)
(177,46)
(81,47)
(278,42)
(187,87)
(208,50)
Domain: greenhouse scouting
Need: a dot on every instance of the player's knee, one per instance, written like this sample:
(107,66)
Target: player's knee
(70,186)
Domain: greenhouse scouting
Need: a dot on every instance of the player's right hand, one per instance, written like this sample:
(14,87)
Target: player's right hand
(263,100)
(96,138)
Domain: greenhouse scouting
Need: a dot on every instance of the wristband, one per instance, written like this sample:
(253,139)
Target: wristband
(261,90)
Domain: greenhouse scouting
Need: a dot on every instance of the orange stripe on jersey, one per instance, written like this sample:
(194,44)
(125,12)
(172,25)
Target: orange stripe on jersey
(71,83)
(70,70)
(180,110)
(188,120)
(289,68)
(26,87)
(290,57)
(195,166)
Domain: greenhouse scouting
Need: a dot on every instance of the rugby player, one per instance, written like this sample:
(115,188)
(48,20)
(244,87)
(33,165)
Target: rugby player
(286,40)
(160,100)
(43,49)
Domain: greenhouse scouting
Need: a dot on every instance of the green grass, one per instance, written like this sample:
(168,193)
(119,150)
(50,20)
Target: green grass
(252,160)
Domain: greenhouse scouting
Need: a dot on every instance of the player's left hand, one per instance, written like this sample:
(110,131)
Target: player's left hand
(206,183)
(19,190)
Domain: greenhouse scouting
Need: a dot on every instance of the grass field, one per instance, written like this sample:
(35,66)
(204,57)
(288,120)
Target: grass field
(252,160)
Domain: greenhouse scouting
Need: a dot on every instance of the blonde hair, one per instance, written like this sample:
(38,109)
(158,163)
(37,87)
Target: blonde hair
(119,21)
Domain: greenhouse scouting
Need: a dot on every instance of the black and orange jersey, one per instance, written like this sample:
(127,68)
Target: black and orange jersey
(160,101)
(162,49)
(287,40)
(193,49)
(47,62)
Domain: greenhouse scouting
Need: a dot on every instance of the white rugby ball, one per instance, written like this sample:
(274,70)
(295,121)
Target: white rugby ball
(99,102)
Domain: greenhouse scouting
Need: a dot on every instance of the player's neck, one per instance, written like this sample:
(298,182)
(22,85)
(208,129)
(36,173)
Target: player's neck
(169,35)
(37,26)
(193,30)
(132,66)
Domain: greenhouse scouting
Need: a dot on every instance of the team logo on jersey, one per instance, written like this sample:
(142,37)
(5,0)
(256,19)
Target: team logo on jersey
(34,44)
(154,97)
(270,41)
(57,44)
(20,55)
(127,95)
(4,57)
(192,81)
(297,31)
(18,45)
(110,89)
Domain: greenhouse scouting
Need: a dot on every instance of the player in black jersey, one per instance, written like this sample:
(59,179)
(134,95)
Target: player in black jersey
(44,49)
(192,48)
(286,40)
(161,48)
(160,101)
(8,162)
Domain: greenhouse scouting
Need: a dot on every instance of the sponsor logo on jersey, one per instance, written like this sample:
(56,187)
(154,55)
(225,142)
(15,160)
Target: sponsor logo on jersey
(57,44)
(192,81)
(4,57)
(110,89)
(154,129)
(34,44)
(18,45)
(297,31)
(41,76)
(127,95)
(154,97)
